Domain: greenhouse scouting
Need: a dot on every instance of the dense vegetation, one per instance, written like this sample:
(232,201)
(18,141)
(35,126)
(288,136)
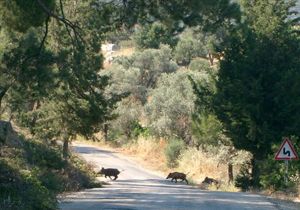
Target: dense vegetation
(236,105)
(32,173)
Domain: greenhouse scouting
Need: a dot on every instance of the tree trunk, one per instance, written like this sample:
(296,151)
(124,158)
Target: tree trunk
(105,130)
(211,59)
(230,173)
(36,106)
(255,172)
(66,147)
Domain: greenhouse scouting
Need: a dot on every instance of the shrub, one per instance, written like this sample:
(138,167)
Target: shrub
(173,151)
(32,173)
(201,65)
(52,180)
(42,155)
(128,111)
(23,190)
(243,179)
(272,175)
(138,130)
(37,196)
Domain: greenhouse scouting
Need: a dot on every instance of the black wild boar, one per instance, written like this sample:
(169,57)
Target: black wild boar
(177,175)
(109,172)
(208,180)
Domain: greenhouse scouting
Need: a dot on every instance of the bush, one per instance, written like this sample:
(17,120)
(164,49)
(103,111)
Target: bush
(42,155)
(173,151)
(243,180)
(32,173)
(52,180)
(273,174)
(79,174)
(23,190)
(138,130)
(128,111)
(201,65)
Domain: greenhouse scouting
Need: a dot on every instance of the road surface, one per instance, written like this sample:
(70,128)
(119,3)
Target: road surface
(138,188)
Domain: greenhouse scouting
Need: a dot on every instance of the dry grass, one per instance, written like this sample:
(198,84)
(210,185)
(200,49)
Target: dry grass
(149,151)
(125,52)
(197,164)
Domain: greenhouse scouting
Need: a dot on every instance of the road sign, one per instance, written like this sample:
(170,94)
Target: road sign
(286,151)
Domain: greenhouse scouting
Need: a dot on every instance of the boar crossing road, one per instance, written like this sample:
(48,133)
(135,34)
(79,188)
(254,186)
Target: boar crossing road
(138,188)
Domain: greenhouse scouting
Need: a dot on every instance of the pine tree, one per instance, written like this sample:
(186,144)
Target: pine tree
(258,81)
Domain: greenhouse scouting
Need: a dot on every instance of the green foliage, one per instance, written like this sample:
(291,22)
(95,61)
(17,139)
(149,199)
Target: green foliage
(129,113)
(33,173)
(180,13)
(135,75)
(26,70)
(152,36)
(273,172)
(67,80)
(244,179)
(54,181)
(258,89)
(21,15)
(139,130)
(194,43)
(272,176)
(244,123)
(201,65)
(268,18)
(23,190)
(170,106)
(42,155)
(173,151)
(207,130)
(204,86)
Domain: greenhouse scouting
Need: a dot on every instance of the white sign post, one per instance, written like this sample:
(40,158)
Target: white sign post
(286,152)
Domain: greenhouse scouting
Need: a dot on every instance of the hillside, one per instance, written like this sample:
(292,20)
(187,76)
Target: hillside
(32,172)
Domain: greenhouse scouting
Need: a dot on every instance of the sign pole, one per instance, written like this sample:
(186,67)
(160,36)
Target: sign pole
(286,152)
(286,171)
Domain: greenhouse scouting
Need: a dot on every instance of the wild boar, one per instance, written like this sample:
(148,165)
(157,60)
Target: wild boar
(208,180)
(177,175)
(109,172)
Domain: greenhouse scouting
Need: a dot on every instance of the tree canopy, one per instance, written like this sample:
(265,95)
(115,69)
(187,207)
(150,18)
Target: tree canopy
(258,83)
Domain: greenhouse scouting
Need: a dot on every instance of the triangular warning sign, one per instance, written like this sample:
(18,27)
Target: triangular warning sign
(286,151)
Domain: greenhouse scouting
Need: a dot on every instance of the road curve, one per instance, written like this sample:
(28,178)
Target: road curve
(138,188)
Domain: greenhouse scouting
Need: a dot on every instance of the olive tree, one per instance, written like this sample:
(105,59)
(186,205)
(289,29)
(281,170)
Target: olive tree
(193,42)
(134,76)
(170,106)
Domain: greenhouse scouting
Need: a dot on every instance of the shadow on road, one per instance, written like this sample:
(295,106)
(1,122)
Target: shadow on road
(142,194)
(136,188)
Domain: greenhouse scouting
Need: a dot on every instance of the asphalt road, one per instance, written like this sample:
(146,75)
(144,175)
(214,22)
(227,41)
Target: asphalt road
(138,188)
